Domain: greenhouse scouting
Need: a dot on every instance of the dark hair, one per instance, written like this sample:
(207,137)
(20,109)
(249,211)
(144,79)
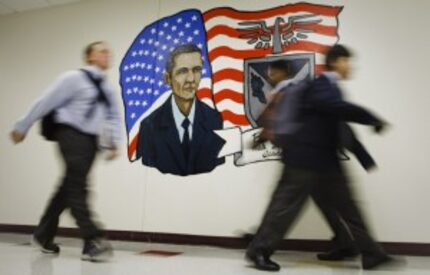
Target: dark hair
(334,53)
(90,48)
(280,64)
(186,48)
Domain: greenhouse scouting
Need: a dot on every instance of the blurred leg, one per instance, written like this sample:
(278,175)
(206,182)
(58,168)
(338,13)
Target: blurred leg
(342,238)
(288,199)
(337,190)
(78,151)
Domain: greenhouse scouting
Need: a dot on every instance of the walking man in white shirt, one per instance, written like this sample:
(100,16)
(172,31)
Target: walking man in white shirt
(82,101)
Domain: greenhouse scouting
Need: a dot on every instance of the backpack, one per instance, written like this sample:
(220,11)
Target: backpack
(281,118)
(48,126)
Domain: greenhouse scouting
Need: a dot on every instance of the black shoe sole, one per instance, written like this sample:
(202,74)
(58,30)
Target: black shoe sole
(251,260)
(343,258)
(35,242)
(386,261)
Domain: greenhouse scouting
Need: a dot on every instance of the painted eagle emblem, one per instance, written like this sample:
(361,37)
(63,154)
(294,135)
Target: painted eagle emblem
(281,34)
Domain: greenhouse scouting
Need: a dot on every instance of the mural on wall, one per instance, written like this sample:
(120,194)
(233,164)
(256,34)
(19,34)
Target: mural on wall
(194,83)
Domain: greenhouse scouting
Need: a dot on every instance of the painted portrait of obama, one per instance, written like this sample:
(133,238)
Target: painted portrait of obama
(178,137)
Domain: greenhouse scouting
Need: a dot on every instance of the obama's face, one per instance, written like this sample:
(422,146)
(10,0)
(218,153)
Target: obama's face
(186,75)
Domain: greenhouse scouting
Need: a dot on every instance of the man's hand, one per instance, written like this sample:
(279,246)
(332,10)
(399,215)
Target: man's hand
(17,137)
(380,127)
(371,167)
(112,153)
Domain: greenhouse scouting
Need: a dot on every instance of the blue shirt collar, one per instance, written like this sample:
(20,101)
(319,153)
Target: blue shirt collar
(95,71)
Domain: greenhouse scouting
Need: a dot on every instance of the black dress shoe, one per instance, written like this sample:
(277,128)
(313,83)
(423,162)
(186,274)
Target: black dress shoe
(262,262)
(97,250)
(373,262)
(47,247)
(337,255)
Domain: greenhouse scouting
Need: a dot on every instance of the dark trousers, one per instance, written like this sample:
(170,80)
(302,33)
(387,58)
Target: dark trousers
(294,188)
(78,151)
(342,236)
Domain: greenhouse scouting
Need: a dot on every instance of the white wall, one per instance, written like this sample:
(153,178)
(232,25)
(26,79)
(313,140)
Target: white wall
(390,39)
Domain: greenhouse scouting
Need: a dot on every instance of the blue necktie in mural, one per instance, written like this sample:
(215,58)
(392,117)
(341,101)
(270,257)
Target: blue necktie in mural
(186,138)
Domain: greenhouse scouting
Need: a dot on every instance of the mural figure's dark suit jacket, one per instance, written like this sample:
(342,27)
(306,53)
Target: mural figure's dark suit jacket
(159,144)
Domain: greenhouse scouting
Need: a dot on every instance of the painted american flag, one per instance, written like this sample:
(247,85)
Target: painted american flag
(143,67)
(227,37)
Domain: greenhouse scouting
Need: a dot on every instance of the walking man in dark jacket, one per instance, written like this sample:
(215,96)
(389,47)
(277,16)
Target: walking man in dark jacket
(312,166)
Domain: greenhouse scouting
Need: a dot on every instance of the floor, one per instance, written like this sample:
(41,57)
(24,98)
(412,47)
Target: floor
(18,257)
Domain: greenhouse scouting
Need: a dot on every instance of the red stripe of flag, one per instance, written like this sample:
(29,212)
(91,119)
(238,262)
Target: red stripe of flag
(234,33)
(231,74)
(244,54)
(230,94)
(239,120)
(291,8)
(221,95)
(238,54)
(204,93)
(132,146)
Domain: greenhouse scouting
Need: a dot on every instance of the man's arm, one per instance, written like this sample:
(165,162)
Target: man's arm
(56,95)
(322,98)
(114,123)
(349,141)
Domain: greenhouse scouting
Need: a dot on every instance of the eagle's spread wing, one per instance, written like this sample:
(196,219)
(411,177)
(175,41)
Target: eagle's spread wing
(257,33)
(297,27)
